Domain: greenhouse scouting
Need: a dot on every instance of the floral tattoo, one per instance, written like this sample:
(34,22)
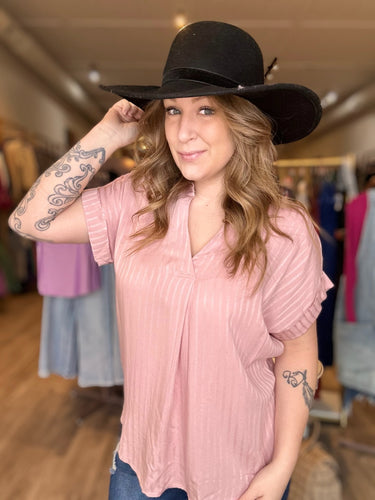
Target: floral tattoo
(297,378)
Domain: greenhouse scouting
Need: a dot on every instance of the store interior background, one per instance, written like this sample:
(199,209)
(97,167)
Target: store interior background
(47,50)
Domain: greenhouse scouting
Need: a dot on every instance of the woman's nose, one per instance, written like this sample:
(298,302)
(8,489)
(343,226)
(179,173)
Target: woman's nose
(187,128)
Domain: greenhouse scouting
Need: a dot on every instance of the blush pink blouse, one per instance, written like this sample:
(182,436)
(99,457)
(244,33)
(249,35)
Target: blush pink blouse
(197,345)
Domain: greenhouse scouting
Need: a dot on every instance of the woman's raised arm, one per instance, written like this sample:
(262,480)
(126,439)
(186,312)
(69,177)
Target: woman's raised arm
(52,210)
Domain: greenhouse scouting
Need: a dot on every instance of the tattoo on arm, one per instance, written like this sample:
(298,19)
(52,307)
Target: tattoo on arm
(297,378)
(67,191)
(21,209)
(64,194)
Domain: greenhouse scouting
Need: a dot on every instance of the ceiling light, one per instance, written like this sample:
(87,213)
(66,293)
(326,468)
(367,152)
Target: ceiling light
(75,89)
(329,99)
(94,75)
(180,20)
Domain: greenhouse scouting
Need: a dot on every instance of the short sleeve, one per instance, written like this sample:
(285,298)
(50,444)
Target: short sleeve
(295,284)
(106,210)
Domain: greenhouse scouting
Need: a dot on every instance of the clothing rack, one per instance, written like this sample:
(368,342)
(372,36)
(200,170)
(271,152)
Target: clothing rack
(346,163)
(325,161)
(24,155)
(329,405)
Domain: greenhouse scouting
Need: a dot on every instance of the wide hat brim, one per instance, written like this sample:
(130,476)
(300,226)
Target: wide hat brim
(294,110)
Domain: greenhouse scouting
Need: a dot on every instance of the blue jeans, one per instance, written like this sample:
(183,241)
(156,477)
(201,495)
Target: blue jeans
(124,485)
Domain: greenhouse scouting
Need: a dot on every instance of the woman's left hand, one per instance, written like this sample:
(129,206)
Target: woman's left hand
(268,484)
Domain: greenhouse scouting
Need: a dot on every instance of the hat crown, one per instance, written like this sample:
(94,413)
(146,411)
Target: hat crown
(214,53)
(211,58)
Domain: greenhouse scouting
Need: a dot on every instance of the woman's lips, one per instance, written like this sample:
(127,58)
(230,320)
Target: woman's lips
(191,155)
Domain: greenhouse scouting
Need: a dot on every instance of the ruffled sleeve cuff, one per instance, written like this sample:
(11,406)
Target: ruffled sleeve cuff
(97,227)
(309,315)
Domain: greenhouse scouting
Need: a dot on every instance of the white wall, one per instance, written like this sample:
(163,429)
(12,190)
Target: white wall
(27,101)
(356,135)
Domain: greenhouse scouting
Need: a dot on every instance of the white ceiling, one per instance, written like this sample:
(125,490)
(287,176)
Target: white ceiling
(323,44)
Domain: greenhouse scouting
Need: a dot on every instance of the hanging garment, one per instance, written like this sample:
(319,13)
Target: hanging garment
(355,341)
(3,285)
(365,287)
(22,253)
(327,222)
(4,174)
(22,165)
(9,279)
(79,329)
(5,198)
(354,349)
(66,270)
(355,213)
(79,336)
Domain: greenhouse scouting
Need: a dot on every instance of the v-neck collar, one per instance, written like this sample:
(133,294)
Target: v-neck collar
(207,261)
(189,195)
(207,247)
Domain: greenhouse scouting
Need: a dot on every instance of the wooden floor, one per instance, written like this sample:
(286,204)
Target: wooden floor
(48,452)
(354,449)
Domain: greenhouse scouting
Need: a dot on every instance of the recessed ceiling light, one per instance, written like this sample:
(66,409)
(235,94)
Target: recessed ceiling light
(94,75)
(180,20)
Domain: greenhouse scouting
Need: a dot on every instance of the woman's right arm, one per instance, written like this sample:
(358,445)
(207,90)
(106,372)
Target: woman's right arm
(52,209)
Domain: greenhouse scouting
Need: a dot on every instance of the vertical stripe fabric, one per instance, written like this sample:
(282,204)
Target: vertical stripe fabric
(196,345)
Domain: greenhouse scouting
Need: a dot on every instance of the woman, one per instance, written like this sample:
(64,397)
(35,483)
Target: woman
(216,274)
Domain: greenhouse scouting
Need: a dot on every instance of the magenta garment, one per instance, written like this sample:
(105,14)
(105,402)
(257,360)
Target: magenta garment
(197,346)
(66,269)
(3,284)
(355,213)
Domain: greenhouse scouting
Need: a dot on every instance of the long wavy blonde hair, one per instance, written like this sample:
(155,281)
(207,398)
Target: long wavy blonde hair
(252,194)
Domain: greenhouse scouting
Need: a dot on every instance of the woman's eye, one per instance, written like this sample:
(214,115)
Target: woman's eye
(207,111)
(171,111)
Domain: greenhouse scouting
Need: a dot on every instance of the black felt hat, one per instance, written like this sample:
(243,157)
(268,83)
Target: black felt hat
(214,58)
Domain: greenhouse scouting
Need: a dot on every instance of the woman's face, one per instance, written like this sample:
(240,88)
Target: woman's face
(199,138)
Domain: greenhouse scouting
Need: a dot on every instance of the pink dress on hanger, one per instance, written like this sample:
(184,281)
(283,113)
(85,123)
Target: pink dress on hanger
(66,269)
(355,214)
